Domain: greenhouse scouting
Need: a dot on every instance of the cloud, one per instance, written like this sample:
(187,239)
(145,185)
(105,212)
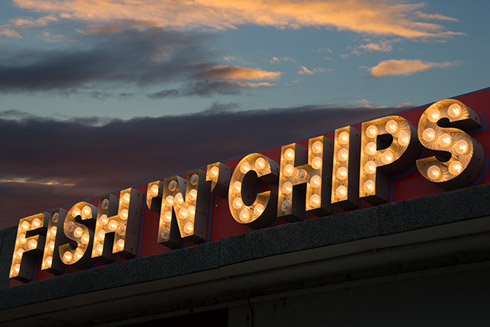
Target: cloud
(26,22)
(50,155)
(9,33)
(305,71)
(405,67)
(384,46)
(276,60)
(360,16)
(435,16)
(237,73)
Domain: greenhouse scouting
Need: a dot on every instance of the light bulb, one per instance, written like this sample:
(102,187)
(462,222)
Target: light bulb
(165,232)
(343,154)
(288,170)
(342,173)
(189,228)
(51,245)
(434,172)
(170,200)
(179,198)
(99,248)
(454,110)
(86,211)
(258,209)
(245,215)
(343,138)
(195,179)
(455,168)
(387,157)
(183,213)
(391,126)
(302,174)
(124,214)
(101,233)
(55,217)
(25,225)
(316,163)
(444,140)
(316,181)
(193,194)
(36,223)
(104,220)
(167,216)
(76,212)
(120,244)
(78,232)
(237,203)
(17,268)
(260,163)
(53,230)
(70,226)
(429,135)
(32,244)
(461,147)
(105,202)
(192,211)
(289,154)
(371,148)
(121,230)
(433,115)
(67,256)
(287,187)
(317,147)
(315,200)
(245,167)
(172,185)
(22,238)
(49,261)
(404,139)
(78,254)
(214,172)
(113,225)
(20,252)
(154,189)
(286,205)
(85,238)
(371,131)
(370,167)
(126,197)
(237,186)
(369,187)
(341,192)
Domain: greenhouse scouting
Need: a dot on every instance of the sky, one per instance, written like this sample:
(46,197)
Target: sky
(98,95)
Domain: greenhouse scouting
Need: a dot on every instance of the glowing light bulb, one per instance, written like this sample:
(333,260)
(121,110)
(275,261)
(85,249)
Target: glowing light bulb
(78,232)
(49,261)
(189,228)
(433,115)
(315,200)
(183,213)
(316,181)
(20,252)
(36,223)
(342,173)
(105,202)
(76,212)
(461,147)
(53,230)
(455,168)
(404,139)
(85,238)
(343,138)
(170,200)
(172,185)
(78,254)
(317,147)
(121,230)
(343,154)
(341,192)
(259,209)
(237,186)
(316,163)
(25,225)
(260,163)
(214,172)
(302,174)
(51,245)
(124,214)
(287,187)
(391,126)
(434,172)
(179,198)
(17,268)
(113,225)
(289,154)
(167,216)
(387,157)
(370,167)
(245,215)
(55,217)
(286,205)
(195,179)
(369,186)
(101,233)
(32,244)
(245,167)
(99,248)
(22,238)
(86,211)
(104,220)
(288,170)
(126,197)
(67,256)
(371,131)
(192,211)
(444,140)
(237,203)
(429,135)
(193,194)
(120,244)
(154,189)
(454,110)
(371,148)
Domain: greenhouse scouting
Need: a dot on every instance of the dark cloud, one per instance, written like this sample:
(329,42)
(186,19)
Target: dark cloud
(202,88)
(121,153)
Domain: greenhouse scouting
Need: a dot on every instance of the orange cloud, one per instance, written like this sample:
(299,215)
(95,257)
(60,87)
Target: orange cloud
(305,71)
(384,46)
(435,16)
(361,16)
(238,73)
(42,21)
(405,67)
(11,34)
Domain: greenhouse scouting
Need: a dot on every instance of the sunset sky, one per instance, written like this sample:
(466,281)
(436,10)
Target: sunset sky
(100,95)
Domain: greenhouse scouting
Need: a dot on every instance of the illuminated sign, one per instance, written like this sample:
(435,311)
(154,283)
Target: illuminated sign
(294,180)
